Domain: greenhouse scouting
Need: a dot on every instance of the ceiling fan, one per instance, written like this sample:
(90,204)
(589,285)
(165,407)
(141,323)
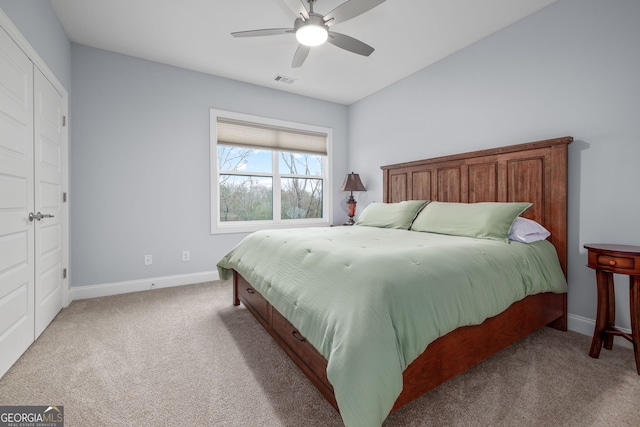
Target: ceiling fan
(312,29)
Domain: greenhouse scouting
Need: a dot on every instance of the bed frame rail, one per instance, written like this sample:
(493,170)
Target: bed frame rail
(534,172)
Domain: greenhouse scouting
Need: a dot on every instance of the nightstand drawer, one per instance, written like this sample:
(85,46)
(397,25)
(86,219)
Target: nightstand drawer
(617,262)
(622,259)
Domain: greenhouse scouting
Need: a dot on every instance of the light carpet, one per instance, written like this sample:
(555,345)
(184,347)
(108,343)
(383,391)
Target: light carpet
(185,356)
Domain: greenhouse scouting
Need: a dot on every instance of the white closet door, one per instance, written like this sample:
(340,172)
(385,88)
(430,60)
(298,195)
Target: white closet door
(16,202)
(48,151)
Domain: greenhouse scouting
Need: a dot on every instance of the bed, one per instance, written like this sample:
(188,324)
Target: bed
(534,172)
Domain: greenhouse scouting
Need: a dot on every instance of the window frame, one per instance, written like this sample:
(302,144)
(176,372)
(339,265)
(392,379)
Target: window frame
(219,227)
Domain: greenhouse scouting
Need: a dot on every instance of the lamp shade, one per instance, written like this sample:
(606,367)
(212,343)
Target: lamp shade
(352,183)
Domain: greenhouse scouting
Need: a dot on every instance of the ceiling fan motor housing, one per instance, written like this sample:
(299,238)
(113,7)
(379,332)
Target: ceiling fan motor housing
(314,19)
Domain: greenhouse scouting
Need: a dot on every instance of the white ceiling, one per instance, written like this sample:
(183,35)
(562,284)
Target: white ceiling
(407,35)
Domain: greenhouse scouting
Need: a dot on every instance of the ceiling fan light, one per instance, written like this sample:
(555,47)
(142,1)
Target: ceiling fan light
(312,35)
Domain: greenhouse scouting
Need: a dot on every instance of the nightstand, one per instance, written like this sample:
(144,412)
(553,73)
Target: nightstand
(607,260)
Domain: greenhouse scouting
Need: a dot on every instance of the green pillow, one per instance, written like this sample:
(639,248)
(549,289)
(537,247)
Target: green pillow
(391,215)
(481,220)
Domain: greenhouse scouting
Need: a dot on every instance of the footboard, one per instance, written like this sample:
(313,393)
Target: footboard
(465,347)
(443,359)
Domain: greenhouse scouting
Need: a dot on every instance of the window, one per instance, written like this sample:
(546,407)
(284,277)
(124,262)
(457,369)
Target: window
(267,173)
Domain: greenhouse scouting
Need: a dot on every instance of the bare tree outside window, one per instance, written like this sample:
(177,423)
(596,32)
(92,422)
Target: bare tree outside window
(242,197)
(301,197)
(246,182)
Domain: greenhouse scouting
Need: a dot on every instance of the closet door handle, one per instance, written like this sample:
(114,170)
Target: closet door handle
(39,216)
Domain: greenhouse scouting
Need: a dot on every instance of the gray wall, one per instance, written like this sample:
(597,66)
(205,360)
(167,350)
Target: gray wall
(140,163)
(139,134)
(139,153)
(571,69)
(39,24)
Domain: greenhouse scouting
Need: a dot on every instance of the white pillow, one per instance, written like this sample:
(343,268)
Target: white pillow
(527,231)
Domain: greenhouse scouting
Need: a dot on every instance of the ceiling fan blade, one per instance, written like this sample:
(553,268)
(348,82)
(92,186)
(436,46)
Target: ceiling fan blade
(297,7)
(301,54)
(349,43)
(350,9)
(265,32)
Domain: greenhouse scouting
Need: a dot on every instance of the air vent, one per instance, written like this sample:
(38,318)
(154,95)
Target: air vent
(284,79)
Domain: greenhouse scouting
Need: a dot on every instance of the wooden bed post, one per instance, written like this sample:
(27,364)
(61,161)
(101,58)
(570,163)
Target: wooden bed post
(236,300)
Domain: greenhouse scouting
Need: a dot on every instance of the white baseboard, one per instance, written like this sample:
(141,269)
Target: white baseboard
(575,323)
(580,324)
(586,326)
(106,289)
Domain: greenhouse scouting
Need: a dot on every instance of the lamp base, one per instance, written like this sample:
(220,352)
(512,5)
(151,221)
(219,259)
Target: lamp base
(350,221)
(351,210)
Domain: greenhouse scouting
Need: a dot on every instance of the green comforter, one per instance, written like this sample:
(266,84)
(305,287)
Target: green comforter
(371,300)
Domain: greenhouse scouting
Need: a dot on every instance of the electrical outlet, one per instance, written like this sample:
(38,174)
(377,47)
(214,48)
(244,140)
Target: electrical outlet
(186,255)
(148,260)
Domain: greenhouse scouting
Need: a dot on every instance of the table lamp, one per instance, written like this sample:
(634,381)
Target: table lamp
(352,183)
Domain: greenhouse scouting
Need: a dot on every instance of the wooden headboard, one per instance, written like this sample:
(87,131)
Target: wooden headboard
(533,172)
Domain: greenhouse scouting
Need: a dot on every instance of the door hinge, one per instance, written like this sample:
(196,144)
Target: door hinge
(64,120)
(64,197)
(64,273)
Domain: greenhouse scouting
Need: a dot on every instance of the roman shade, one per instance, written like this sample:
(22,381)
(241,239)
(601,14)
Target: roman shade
(259,135)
